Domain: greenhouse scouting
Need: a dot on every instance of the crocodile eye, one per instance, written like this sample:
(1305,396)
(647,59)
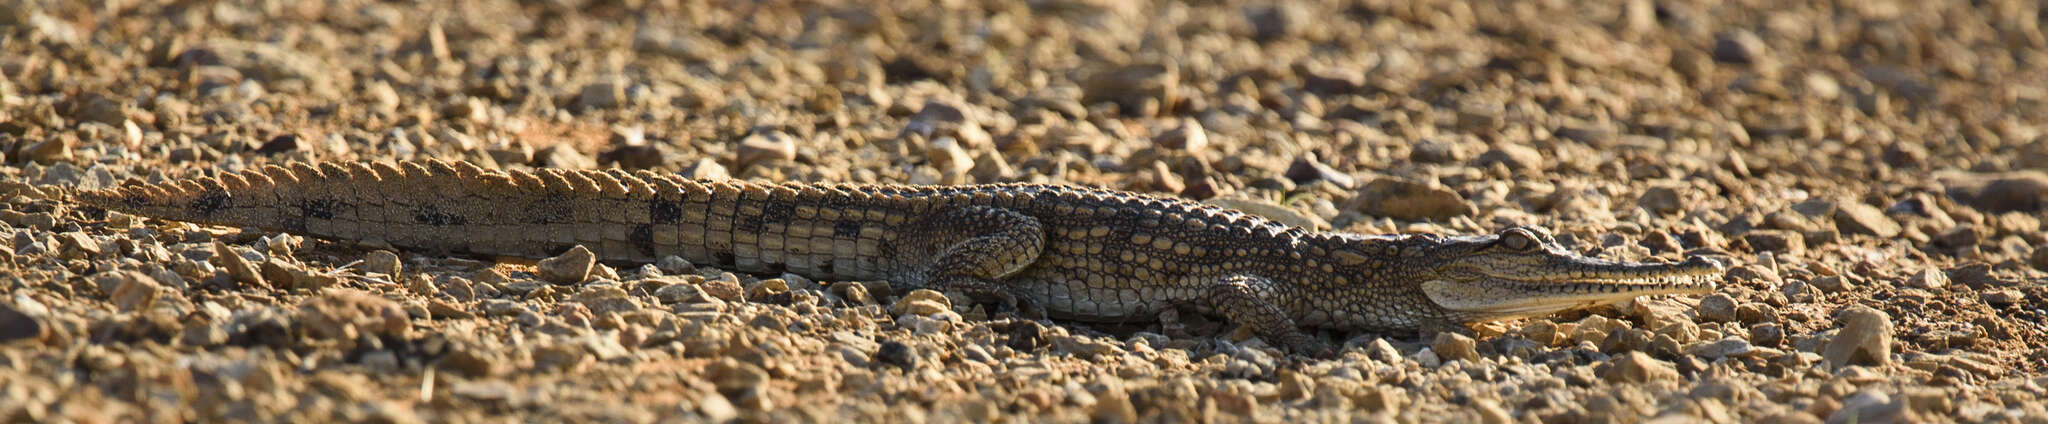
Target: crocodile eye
(1518,240)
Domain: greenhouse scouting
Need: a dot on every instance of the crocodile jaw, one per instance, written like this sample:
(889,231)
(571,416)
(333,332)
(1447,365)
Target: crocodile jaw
(1500,295)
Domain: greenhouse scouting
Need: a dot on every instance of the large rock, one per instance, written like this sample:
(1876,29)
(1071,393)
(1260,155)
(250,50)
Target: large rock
(1714,350)
(766,147)
(1740,46)
(570,267)
(1716,308)
(15,325)
(347,314)
(706,169)
(922,302)
(1189,136)
(1638,367)
(135,291)
(1140,90)
(1409,200)
(939,119)
(1273,22)
(950,158)
(1272,211)
(1872,406)
(1859,218)
(726,287)
(684,293)
(275,64)
(238,269)
(1308,169)
(1778,241)
(1663,200)
(601,94)
(1928,278)
(1514,156)
(382,262)
(1449,345)
(1865,338)
(1997,193)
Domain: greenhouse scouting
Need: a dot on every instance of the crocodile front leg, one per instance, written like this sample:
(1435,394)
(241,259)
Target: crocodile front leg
(1237,297)
(976,247)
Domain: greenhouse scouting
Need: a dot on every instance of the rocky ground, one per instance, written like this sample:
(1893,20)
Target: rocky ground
(1873,171)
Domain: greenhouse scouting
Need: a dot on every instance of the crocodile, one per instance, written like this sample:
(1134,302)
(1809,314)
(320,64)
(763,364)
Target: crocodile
(1071,253)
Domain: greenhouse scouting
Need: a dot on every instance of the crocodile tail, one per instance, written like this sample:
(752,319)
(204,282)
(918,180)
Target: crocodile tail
(243,199)
(619,215)
(424,204)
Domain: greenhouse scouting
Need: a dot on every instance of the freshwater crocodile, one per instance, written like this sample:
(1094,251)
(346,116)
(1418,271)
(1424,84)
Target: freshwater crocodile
(1074,253)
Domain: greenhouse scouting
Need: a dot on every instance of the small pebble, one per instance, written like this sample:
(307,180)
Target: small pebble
(570,267)
(1928,278)
(1865,338)
(765,147)
(1454,346)
(922,302)
(382,262)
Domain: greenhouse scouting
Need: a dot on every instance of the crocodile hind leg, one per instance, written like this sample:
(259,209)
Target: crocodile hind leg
(1237,297)
(975,247)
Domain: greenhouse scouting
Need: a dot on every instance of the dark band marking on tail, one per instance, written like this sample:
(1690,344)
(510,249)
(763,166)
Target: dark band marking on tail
(287,221)
(774,214)
(322,208)
(549,209)
(846,228)
(431,215)
(664,211)
(642,237)
(210,203)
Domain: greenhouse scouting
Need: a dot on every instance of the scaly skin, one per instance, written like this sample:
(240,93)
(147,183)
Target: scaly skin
(1075,253)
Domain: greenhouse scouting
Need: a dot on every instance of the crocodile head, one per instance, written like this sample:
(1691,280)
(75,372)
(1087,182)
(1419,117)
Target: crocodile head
(1516,272)
(1522,271)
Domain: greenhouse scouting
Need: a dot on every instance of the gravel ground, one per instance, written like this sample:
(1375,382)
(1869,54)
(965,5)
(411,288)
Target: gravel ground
(1873,171)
